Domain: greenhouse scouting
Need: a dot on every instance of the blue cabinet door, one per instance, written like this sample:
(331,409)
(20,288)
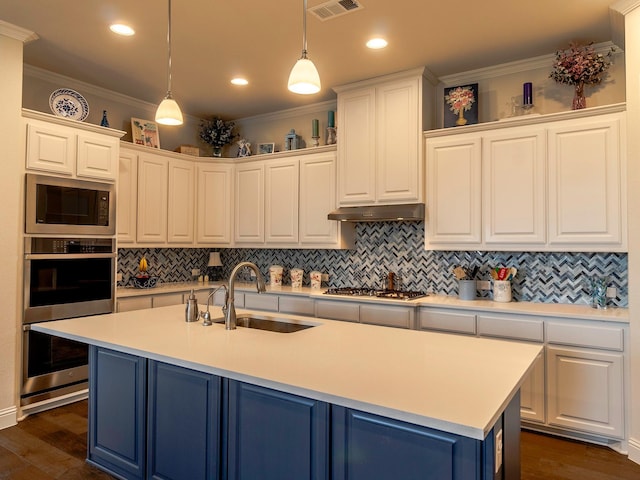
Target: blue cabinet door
(274,435)
(117,405)
(370,447)
(183,423)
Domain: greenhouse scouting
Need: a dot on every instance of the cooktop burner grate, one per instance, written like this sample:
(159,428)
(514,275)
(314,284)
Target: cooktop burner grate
(374,292)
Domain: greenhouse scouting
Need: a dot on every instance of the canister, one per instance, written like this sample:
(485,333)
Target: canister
(275,275)
(297,275)
(501,291)
(316,279)
(467,289)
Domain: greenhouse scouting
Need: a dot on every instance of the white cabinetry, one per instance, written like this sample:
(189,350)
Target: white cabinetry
(552,183)
(214,204)
(585,377)
(127,203)
(153,175)
(379,152)
(317,199)
(284,202)
(65,147)
(454,207)
(281,201)
(249,203)
(586,182)
(181,199)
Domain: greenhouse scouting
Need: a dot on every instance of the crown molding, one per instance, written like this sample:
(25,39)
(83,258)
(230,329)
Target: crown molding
(291,112)
(518,66)
(18,33)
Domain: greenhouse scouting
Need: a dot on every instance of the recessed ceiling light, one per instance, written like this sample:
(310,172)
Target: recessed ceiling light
(122,29)
(377,43)
(240,81)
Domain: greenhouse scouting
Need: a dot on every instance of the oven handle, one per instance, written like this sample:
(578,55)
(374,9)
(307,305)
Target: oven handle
(70,256)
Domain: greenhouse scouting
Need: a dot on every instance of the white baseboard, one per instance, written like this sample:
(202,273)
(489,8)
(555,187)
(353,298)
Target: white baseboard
(8,417)
(634,450)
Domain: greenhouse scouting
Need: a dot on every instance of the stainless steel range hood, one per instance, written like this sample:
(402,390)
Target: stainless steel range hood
(379,213)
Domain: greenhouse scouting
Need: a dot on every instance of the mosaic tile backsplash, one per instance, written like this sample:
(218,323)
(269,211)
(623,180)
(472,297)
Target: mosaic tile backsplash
(399,247)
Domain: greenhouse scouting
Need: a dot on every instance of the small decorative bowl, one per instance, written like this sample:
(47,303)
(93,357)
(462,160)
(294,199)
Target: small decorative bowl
(144,282)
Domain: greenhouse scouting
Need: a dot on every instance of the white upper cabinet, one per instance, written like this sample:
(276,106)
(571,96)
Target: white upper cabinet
(586,182)
(249,202)
(181,201)
(281,201)
(65,147)
(153,173)
(317,199)
(454,191)
(513,186)
(551,183)
(127,200)
(380,157)
(214,204)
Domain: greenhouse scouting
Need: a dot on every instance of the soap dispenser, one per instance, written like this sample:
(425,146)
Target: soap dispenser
(191,309)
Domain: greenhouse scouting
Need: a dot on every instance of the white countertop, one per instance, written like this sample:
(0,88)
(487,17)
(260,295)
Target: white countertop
(452,383)
(565,310)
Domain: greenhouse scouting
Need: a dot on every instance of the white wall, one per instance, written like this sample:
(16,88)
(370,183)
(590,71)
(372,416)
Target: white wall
(11,192)
(632,51)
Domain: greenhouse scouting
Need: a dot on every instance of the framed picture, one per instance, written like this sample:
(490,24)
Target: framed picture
(265,148)
(145,132)
(461,105)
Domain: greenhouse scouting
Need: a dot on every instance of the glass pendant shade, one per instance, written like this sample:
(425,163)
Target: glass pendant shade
(168,112)
(304,78)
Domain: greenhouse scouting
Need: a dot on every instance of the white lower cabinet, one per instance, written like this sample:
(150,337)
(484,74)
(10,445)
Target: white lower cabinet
(586,390)
(576,385)
(387,316)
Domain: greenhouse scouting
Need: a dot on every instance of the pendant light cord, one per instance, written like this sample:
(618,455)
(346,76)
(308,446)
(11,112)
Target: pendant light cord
(169,51)
(304,28)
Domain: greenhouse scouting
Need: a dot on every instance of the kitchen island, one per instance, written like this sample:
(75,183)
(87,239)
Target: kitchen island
(337,400)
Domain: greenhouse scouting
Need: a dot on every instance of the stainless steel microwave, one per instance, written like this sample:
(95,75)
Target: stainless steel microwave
(66,206)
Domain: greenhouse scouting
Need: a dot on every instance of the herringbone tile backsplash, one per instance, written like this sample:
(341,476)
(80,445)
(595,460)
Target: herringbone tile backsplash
(399,247)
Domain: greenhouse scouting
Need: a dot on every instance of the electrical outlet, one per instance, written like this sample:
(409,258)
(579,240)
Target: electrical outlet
(325,277)
(612,292)
(195,272)
(483,285)
(118,277)
(499,452)
(252,274)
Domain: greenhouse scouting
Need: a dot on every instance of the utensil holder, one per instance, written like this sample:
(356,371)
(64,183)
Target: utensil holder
(501,291)
(467,289)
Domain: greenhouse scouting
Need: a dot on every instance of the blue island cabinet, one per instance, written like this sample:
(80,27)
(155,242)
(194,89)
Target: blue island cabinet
(117,409)
(183,431)
(274,435)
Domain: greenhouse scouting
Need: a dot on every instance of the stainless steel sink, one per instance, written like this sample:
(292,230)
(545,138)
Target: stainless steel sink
(269,324)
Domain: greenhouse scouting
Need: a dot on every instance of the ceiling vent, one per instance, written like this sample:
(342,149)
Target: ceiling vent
(333,9)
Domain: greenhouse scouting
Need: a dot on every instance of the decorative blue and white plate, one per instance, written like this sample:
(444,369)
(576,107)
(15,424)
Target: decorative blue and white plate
(68,103)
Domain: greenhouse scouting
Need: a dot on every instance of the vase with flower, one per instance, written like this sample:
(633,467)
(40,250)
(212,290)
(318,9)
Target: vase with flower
(579,66)
(217,133)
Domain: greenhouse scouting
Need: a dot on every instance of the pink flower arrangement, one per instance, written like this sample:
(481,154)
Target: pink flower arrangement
(580,64)
(460,98)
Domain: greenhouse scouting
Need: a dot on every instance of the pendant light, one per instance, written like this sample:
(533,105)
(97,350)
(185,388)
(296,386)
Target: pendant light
(168,112)
(304,77)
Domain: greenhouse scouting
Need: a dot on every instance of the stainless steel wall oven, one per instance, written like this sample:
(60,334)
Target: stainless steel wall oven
(63,278)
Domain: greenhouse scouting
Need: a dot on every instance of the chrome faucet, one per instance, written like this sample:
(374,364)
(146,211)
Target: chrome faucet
(229,309)
(206,316)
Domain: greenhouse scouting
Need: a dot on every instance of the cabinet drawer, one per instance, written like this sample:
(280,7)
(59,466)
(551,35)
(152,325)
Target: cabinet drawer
(609,338)
(257,301)
(346,311)
(400,317)
(296,305)
(511,327)
(448,321)
(169,299)
(133,303)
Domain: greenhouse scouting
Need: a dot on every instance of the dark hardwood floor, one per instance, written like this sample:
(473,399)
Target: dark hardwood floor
(53,445)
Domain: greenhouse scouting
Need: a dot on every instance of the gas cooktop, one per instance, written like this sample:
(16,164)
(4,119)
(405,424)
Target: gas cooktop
(374,292)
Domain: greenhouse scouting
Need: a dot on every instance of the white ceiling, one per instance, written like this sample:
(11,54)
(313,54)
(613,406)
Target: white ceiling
(214,40)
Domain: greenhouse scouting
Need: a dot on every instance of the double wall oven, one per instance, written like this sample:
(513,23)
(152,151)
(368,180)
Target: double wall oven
(69,271)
